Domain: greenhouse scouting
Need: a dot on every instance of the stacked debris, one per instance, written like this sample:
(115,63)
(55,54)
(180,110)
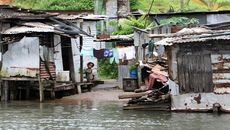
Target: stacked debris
(155,93)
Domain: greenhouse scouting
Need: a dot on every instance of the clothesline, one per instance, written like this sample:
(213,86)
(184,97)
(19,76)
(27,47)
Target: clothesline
(125,53)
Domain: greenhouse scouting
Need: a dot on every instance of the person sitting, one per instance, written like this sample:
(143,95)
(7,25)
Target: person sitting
(89,72)
(151,77)
(157,74)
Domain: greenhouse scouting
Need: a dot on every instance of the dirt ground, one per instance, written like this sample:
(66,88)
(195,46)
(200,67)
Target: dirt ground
(102,93)
(99,95)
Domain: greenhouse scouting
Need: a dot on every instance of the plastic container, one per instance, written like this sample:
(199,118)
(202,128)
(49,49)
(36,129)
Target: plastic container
(133,73)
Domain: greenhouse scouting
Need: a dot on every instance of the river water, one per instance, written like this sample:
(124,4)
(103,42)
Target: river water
(102,116)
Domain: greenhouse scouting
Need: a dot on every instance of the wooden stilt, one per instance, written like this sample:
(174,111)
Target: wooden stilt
(12,92)
(41,92)
(5,91)
(20,94)
(27,92)
(2,92)
(78,89)
(52,92)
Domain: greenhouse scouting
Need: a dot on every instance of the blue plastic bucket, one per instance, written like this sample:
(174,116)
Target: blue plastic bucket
(133,73)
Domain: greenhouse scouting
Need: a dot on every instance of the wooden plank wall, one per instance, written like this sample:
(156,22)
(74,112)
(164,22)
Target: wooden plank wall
(195,73)
(204,67)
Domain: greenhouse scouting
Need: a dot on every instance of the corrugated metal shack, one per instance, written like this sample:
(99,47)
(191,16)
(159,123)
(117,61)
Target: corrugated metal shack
(199,61)
(88,23)
(31,57)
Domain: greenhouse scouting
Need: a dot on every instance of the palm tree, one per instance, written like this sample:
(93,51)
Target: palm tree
(213,4)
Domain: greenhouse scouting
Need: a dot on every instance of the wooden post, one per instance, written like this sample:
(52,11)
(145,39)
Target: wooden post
(78,88)
(81,60)
(41,87)
(41,82)
(2,91)
(27,92)
(52,92)
(5,93)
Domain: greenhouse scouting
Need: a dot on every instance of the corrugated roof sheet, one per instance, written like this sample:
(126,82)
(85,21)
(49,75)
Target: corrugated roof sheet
(117,38)
(194,35)
(29,28)
(200,39)
(84,17)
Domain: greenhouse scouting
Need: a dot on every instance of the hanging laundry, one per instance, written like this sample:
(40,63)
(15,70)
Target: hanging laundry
(121,53)
(108,53)
(86,52)
(115,56)
(99,54)
(130,52)
(103,53)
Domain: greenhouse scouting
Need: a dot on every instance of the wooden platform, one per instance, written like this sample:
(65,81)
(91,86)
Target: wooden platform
(149,107)
(84,86)
(63,87)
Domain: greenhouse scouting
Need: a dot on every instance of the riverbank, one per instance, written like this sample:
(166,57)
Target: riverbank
(101,93)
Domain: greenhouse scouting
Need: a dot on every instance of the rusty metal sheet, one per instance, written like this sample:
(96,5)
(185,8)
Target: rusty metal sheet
(199,102)
(217,76)
(44,72)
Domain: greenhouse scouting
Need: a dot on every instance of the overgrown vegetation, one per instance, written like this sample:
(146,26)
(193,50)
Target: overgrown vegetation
(107,70)
(164,6)
(56,4)
(159,6)
(125,26)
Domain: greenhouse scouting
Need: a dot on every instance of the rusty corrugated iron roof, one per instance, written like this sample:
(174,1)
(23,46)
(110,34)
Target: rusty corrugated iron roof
(84,17)
(190,35)
(29,28)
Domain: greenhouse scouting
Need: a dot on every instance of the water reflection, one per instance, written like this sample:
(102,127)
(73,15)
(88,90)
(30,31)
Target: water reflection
(100,116)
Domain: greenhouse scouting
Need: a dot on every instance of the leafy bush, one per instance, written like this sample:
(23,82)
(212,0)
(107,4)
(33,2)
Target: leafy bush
(125,26)
(107,70)
(56,4)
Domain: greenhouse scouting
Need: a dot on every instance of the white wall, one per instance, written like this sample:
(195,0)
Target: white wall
(22,58)
(217,18)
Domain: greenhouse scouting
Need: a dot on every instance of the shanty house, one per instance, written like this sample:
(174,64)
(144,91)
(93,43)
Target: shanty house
(88,23)
(199,61)
(35,49)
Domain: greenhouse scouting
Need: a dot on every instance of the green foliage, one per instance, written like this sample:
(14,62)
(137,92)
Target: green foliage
(164,6)
(132,67)
(107,70)
(56,4)
(125,26)
(213,4)
(179,21)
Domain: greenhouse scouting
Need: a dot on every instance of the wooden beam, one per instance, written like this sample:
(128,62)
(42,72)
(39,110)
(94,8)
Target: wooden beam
(5,91)
(134,95)
(41,92)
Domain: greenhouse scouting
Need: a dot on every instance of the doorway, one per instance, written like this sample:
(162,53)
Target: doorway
(67,56)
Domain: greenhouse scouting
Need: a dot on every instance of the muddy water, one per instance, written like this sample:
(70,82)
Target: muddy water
(102,116)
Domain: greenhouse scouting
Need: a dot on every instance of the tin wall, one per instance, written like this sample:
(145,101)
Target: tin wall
(21,58)
(221,72)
